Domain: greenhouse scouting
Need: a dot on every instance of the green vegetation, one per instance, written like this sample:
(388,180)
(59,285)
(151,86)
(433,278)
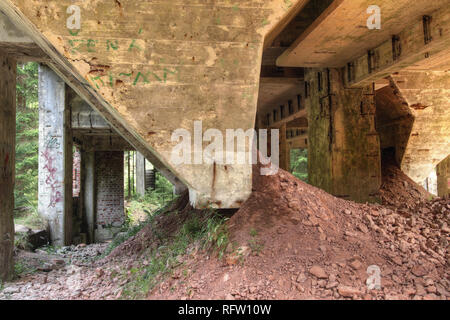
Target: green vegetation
(255,244)
(299,164)
(21,242)
(27,145)
(131,229)
(205,231)
(140,207)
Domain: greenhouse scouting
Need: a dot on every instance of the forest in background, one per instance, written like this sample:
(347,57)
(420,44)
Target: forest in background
(299,164)
(27,139)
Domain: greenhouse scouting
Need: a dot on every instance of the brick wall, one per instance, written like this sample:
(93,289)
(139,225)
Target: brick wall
(110,194)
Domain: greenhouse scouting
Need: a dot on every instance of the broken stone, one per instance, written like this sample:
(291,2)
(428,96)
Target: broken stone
(419,271)
(363,228)
(332,284)
(11,290)
(397,260)
(431,289)
(356,264)
(348,292)
(301,277)
(420,290)
(318,272)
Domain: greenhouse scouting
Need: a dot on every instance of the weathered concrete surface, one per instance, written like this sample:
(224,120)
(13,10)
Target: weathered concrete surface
(88,180)
(10,33)
(394,121)
(159,66)
(84,117)
(16,42)
(443,177)
(427,94)
(55,157)
(7,163)
(140,174)
(340,34)
(343,146)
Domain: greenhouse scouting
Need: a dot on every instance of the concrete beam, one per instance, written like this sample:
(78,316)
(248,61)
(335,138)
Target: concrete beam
(102,142)
(15,41)
(298,142)
(55,157)
(10,33)
(423,45)
(340,34)
(7,163)
(84,117)
(298,119)
(293,8)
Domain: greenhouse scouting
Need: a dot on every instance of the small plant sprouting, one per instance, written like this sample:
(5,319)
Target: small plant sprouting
(255,245)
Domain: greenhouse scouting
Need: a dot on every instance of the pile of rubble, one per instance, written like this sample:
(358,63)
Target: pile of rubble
(398,190)
(69,273)
(293,241)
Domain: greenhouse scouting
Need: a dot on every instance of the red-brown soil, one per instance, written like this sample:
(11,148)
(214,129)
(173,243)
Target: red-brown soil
(398,189)
(298,242)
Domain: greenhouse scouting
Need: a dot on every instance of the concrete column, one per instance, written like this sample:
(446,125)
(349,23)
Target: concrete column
(110,214)
(443,178)
(140,174)
(55,157)
(150,176)
(88,165)
(284,150)
(344,156)
(7,164)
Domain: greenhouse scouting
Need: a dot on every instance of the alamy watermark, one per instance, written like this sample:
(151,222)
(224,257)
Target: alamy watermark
(236,147)
(374,21)
(373,282)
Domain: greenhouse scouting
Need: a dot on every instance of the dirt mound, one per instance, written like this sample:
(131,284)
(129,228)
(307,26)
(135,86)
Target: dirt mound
(290,240)
(398,189)
(147,238)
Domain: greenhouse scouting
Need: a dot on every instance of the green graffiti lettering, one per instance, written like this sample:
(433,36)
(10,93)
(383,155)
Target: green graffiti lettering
(134,45)
(112,44)
(91,44)
(143,76)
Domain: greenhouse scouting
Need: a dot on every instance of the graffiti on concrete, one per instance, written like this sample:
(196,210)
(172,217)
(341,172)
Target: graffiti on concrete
(52,142)
(51,180)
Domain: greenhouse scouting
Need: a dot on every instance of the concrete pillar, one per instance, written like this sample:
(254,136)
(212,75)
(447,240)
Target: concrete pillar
(7,164)
(150,176)
(426,96)
(88,165)
(109,181)
(344,149)
(140,174)
(443,178)
(55,157)
(284,150)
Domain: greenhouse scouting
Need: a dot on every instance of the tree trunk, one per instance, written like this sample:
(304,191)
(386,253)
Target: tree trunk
(7,164)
